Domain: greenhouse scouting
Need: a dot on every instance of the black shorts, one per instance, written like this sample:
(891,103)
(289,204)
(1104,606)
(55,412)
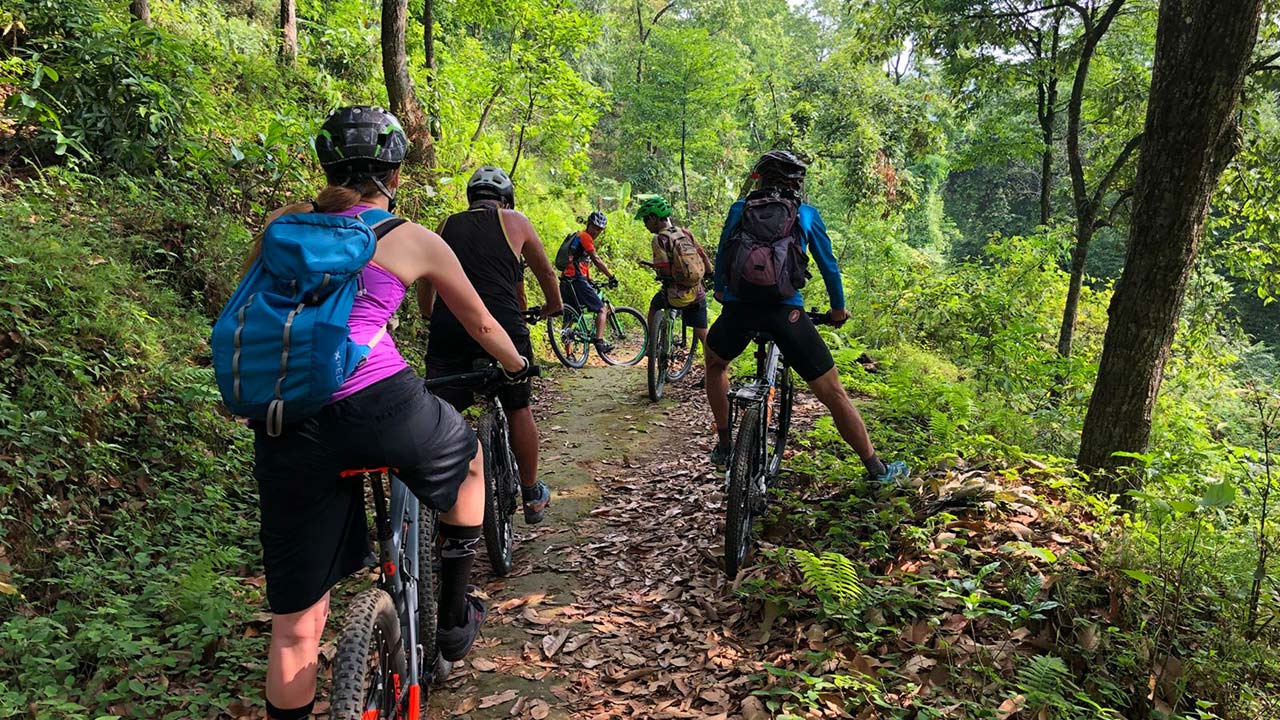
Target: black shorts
(790,326)
(313,521)
(694,314)
(446,356)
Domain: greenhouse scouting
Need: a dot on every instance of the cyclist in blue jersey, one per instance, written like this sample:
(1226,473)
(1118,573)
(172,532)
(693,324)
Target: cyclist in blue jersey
(781,173)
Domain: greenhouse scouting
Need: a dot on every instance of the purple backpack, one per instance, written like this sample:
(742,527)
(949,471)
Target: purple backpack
(766,261)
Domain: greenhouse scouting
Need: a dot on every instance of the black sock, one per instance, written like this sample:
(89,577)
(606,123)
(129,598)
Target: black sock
(299,713)
(456,558)
(875,465)
(726,436)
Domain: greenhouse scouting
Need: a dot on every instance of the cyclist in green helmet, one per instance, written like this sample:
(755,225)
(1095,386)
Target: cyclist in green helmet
(681,261)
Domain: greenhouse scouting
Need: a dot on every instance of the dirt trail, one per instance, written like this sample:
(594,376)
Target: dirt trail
(616,606)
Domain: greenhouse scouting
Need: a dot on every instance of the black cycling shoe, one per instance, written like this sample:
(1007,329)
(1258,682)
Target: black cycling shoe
(602,347)
(720,456)
(455,643)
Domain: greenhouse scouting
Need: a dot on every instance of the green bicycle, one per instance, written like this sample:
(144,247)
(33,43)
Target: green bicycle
(672,346)
(573,334)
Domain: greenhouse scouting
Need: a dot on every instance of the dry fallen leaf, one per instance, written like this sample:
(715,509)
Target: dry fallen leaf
(539,709)
(497,699)
(484,665)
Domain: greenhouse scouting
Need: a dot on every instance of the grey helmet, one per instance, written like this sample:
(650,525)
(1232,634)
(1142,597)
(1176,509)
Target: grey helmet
(491,182)
(598,219)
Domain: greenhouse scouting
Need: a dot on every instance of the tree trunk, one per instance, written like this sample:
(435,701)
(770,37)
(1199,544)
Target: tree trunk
(1202,54)
(1084,236)
(429,50)
(400,93)
(684,175)
(1047,113)
(528,117)
(1085,207)
(288,32)
(141,10)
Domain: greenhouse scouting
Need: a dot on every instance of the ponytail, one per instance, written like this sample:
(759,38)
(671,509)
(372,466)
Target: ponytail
(336,198)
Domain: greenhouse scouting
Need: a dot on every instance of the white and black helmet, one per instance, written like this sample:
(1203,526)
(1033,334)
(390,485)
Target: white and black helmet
(491,182)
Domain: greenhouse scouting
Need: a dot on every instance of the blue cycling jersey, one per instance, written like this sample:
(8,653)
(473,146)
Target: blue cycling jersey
(813,240)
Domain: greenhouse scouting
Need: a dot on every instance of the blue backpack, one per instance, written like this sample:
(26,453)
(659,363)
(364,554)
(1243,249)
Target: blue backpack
(281,347)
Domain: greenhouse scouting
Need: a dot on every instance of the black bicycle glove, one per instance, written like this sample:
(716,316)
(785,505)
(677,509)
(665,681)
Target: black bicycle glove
(613,283)
(528,371)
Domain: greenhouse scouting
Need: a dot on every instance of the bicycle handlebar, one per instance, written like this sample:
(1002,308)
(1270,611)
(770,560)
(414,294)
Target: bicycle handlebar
(483,379)
(533,315)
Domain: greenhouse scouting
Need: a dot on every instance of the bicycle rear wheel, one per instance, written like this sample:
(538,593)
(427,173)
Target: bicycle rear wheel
(499,465)
(659,346)
(626,330)
(370,664)
(741,500)
(567,338)
(684,348)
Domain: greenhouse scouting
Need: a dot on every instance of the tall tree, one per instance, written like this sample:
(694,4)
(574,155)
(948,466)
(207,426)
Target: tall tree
(429,51)
(1089,208)
(400,93)
(288,32)
(1203,50)
(141,10)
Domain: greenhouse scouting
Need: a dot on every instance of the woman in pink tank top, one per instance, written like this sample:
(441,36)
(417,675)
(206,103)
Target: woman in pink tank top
(313,521)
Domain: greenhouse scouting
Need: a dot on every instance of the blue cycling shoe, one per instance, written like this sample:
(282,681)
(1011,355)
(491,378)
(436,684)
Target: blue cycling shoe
(894,473)
(536,499)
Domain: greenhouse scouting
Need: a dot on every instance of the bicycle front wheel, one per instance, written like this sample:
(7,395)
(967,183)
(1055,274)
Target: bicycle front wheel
(568,339)
(780,404)
(627,332)
(428,595)
(659,347)
(499,532)
(741,498)
(370,664)
(684,348)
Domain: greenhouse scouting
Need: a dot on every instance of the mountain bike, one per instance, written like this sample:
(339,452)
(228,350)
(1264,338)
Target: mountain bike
(501,472)
(761,410)
(672,345)
(385,662)
(573,333)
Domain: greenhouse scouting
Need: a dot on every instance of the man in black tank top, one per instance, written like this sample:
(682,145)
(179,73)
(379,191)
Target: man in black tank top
(490,239)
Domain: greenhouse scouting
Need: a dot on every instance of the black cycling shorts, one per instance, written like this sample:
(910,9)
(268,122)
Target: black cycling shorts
(578,293)
(454,358)
(790,326)
(694,314)
(313,521)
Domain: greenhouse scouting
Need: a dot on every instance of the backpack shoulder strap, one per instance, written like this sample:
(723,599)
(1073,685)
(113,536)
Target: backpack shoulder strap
(380,221)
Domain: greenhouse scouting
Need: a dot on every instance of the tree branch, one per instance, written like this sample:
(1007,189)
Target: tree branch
(1263,64)
(1110,218)
(1116,166)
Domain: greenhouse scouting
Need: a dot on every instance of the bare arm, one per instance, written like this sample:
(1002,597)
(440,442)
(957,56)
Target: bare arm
(536,256)
(595,259)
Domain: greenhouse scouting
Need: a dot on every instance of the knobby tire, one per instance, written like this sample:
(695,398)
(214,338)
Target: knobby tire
(434,667)
(371,633)
(499,531)
(625,327)
(740,502)
(659,354)
(563,334)
(684,342)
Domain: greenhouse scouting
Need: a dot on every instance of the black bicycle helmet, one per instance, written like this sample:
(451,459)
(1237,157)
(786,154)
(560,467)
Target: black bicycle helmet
(491,182)
(360,143)
(780,165)
(598,219)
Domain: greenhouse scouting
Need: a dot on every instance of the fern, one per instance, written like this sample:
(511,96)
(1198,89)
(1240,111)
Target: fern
(833,577)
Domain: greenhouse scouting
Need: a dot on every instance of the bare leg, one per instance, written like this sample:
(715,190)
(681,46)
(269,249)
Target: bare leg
(468,510)
(524,441)
(717,388)
(601,318)
(291,659)
(847,418)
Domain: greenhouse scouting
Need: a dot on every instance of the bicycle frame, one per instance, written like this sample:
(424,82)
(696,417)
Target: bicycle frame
(769,363)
